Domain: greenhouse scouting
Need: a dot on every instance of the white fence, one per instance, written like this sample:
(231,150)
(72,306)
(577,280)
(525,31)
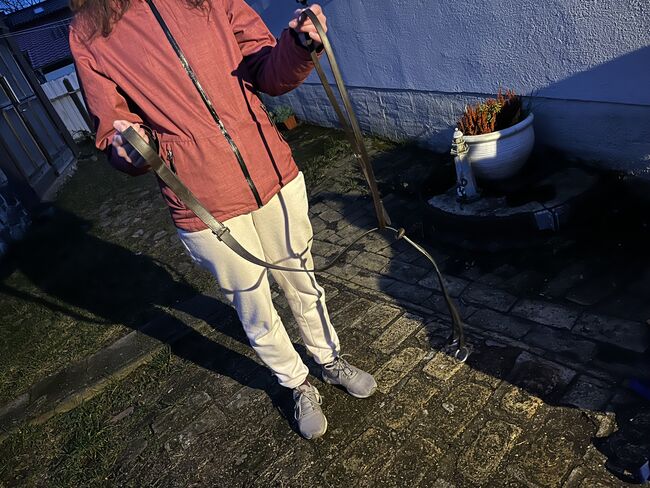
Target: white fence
(66,106)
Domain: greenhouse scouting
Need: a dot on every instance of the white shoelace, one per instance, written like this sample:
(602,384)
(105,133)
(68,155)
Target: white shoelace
(340,365)
(312,399)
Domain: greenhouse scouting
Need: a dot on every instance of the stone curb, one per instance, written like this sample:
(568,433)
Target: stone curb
(70,387)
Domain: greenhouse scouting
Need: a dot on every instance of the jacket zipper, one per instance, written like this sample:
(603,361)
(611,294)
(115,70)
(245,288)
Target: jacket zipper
(206,100)
(268,115)
(239,158)
(271,121)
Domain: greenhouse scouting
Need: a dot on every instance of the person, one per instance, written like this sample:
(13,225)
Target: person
(131,76)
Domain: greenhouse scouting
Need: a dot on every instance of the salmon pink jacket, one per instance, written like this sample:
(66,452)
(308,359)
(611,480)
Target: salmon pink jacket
(135,75)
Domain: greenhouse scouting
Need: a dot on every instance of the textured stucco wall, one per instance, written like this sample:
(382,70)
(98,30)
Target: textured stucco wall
(412,65)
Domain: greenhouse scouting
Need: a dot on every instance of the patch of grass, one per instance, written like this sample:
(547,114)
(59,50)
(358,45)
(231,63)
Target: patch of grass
(80,279)
(83,447)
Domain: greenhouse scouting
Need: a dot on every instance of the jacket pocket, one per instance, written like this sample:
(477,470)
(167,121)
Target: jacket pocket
(169,156)
(273,124)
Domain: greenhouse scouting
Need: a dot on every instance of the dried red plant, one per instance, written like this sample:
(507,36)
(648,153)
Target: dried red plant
(492,115)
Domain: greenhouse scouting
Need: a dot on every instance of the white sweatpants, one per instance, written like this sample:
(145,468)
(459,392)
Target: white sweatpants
(280,233)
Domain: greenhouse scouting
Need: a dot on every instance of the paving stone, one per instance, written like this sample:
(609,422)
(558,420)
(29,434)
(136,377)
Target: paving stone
(540,377)
(442,367)
(433,337)
(350,233)
(317,225)
(438,303)
(404,271)
(375,243)
(505,324)
(490,297)
(248,398)
(337,302)
(211,420)
(317,208)
(397,333)
(408,403)
(412,466)
(289,463)
(330,215)
(581,478)
(398,367)
(587,395)
(518,403)
(491,364)
(623,333)
(547,459)
(562,345)
(448,417)
(591,473)
(410,293)
(176,415)
(325,249)
(377,319)
(546,313)
(351,314)
(491,279)
(358,462)
(410,256)
(372,281)
(480,460)
(455,286)
(343,271)
(371,261)
(325,235)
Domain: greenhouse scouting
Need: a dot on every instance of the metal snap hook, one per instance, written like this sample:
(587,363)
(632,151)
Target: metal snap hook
(462,353)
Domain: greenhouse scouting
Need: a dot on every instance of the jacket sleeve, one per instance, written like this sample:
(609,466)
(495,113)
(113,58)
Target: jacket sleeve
(105,103)
(276,66)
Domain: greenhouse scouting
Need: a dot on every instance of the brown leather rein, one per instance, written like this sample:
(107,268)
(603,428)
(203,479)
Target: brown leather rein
(351,127)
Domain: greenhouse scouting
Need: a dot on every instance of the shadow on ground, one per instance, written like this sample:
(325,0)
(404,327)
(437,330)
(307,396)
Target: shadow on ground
(87,279)
(605,247)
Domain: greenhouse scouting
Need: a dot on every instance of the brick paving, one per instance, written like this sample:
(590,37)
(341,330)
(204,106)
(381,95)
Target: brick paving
(538,403)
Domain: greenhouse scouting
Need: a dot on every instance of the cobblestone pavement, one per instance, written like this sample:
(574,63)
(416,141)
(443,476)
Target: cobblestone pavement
(539,402)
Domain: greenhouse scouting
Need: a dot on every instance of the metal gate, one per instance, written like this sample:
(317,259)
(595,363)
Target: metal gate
(34,151)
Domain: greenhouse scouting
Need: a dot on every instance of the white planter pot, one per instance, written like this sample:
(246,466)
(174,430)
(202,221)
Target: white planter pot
(501,154)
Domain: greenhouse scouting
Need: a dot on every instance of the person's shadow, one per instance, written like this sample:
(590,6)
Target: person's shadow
(72,272)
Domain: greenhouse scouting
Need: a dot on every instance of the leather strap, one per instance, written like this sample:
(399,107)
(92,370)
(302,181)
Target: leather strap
(349,125)
(218,228)
(353,131)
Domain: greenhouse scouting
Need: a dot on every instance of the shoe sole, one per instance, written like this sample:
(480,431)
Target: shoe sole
(372,392)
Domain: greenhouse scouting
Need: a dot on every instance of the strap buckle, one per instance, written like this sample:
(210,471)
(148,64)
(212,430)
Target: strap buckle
(220,231)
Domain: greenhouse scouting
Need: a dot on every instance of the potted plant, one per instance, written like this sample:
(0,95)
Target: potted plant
(284,114)
(499,134)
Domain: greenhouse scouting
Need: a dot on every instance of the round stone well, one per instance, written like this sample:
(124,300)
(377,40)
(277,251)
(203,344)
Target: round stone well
(518,213)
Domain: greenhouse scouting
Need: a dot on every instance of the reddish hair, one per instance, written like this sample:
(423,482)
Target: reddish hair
(99,16)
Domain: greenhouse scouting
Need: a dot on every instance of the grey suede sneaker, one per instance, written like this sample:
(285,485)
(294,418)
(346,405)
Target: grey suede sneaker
(311,421)
(358,383)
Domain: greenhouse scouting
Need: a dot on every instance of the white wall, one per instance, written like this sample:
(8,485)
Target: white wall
(412,65)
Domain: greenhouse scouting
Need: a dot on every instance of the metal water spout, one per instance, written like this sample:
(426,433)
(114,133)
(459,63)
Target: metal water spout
(466,187)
